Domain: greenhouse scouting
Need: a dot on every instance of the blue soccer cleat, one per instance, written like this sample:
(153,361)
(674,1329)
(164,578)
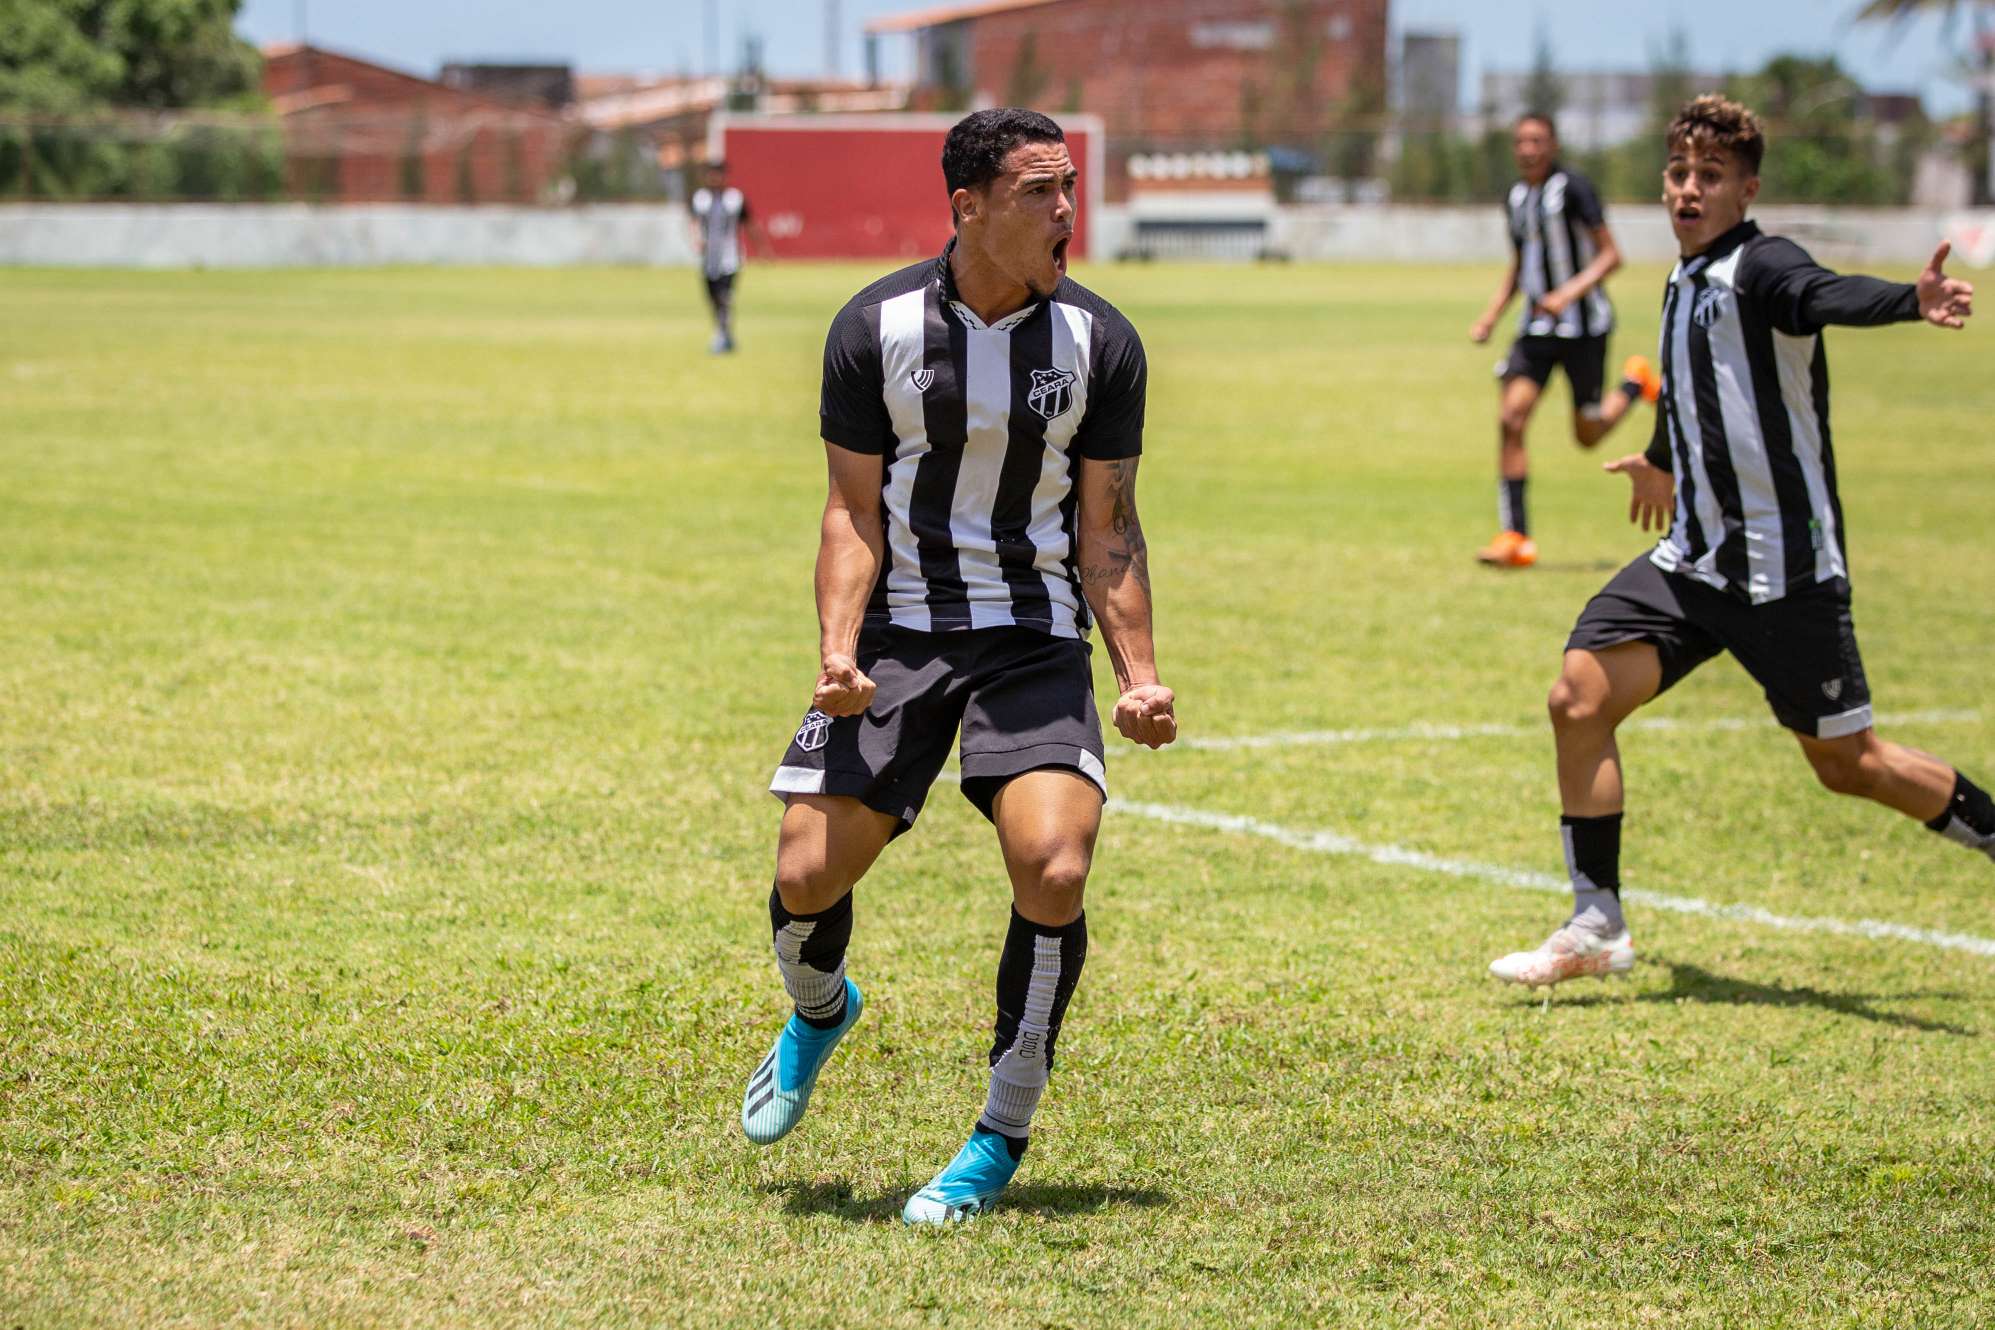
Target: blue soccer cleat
(971,1183)
(779,1088)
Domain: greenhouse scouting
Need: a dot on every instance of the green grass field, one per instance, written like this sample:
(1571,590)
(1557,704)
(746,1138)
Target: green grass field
(391,664)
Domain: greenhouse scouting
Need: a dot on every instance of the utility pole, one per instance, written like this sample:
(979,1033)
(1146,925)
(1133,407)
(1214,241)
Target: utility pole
(831,38)
(713,38)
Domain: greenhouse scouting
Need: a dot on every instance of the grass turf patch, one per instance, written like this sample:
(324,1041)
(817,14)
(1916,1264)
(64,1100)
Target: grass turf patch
(390,666)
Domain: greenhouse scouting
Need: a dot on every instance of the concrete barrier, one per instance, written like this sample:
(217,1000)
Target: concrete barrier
(303,236)
(300,235)
(1833,235)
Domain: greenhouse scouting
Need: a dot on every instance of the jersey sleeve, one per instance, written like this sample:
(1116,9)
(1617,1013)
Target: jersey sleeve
(1658,452)
(1113,425)
(1800,296)
(1583,203)
(852,406)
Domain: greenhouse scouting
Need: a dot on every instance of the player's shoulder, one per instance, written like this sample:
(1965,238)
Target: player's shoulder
(1764,259)
(1110,322)
(1766,250)
(897,283)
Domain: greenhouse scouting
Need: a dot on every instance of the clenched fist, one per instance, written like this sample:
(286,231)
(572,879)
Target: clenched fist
(1144,714)
(842,687)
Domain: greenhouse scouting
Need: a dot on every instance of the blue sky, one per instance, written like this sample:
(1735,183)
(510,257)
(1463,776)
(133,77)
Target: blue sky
(672,35)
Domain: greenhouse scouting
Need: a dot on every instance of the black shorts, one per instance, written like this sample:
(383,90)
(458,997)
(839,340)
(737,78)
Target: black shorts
(1023,699)
(1584,360)
(1801,649)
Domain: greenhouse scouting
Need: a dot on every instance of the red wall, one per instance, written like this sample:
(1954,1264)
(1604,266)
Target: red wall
(851,191)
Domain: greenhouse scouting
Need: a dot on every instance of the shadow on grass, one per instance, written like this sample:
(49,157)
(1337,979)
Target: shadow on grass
(1693,983)
(1579,565)
(1049,1200)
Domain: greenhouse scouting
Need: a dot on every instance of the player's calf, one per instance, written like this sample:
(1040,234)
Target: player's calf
(810,954)
(1036,978)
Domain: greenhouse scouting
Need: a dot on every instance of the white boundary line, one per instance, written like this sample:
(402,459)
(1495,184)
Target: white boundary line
(1330,842)
(1326,738)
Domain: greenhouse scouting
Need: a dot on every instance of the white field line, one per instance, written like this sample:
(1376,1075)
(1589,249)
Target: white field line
(1326,738)
(1330,842)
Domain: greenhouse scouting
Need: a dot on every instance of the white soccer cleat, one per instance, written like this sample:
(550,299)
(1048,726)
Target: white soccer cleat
(1567,954)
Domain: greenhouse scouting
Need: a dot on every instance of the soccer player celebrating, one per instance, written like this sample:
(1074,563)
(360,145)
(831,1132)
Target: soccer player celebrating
(720,216)
(1561,253)
(1753,560)
(983,416)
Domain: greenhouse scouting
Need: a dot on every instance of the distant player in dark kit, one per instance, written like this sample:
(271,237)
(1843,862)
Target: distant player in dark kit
(721,221)
(982,415)
(1753,560)
(1561,253)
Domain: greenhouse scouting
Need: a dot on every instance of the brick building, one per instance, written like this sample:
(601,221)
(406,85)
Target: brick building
(360,132)
(1305,77)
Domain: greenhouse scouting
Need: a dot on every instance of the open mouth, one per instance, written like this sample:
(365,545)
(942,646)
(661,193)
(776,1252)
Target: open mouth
(1688,214)
(1060,252)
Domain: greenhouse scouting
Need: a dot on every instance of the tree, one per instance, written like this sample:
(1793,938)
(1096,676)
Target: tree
(1544,91)
(1982,62)
(67,56)
(1828,148)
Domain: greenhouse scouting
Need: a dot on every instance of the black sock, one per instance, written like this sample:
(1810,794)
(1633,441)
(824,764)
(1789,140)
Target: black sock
(1969,816)
(1036,977)
(810,951)
(1593,861)
(1593,849)
(1510,506)
(1631,390)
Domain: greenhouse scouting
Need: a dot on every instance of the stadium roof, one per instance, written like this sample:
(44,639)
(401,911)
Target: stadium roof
(940,14)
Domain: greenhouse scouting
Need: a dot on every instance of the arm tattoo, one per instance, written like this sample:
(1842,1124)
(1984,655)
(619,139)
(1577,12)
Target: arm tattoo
(1126,551)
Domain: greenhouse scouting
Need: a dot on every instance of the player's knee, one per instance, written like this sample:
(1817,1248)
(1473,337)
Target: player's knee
(1572,705)
(1844,770)
(808,885)
(1054,876)
(1513,419)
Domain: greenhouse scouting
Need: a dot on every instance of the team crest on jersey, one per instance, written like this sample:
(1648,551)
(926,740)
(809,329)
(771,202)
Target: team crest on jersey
(921,378)
(1052,392)
(1710,306)
(1833,689)
(814,731)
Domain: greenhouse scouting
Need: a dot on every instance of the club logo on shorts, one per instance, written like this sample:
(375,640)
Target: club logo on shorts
(1833,689)
(921,378)
(1710,306)
(814,731)
(1052,391)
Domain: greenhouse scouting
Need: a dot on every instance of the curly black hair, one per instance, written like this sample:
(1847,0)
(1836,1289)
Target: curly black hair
(973,154)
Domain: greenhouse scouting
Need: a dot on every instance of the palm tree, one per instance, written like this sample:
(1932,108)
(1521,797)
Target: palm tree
(1981,14)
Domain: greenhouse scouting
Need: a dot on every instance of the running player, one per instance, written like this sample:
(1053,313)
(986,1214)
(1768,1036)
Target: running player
(1753,559)
(1561,253)
(720,218)
(983,417)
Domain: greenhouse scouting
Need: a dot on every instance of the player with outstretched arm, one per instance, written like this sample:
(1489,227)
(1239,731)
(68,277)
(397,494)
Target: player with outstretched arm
(1753,560)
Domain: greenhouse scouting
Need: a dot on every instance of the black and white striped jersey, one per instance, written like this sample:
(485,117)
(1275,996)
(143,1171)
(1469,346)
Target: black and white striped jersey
(981,431)
(1551,227)
(1744,416)
(720,215)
